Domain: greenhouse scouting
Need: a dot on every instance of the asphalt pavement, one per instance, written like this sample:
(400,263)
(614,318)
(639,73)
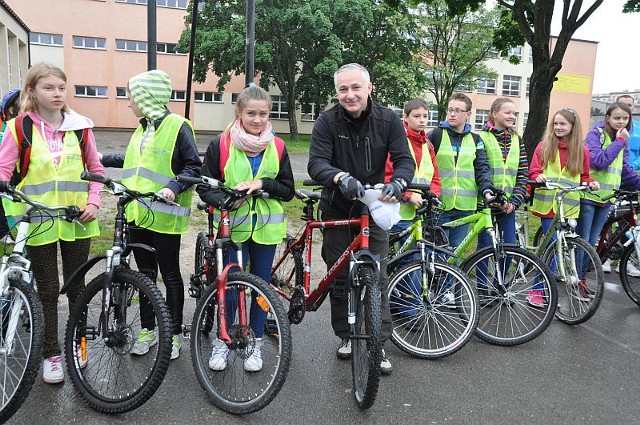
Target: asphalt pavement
(585,374)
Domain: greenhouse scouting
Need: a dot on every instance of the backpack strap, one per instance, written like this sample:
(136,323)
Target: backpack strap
(225,142)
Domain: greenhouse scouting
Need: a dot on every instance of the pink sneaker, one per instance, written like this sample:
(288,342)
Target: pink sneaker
(52,370)
(535,298)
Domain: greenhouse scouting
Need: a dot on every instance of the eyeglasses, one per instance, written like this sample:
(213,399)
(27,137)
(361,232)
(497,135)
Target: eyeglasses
(456,111)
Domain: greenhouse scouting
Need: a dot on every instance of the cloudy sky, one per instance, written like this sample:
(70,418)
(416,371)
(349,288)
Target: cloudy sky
(618,57)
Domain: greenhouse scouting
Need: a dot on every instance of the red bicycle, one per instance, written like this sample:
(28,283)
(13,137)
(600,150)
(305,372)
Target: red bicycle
(222,335)
(291,277)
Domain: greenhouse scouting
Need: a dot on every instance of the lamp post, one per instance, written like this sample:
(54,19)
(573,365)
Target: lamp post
(249,67)
(152,43)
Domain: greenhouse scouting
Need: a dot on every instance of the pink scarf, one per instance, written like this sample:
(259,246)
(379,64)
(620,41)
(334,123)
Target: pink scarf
(248,143)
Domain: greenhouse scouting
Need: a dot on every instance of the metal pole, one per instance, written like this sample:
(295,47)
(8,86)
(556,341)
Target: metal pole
(192,46)
(249,68)
(152,44)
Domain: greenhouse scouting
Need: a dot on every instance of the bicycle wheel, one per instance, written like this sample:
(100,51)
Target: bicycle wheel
(578,298)
(423,326)
(507,314)
(113,380)
(20,356)
(221,369)
(366,342)
(630,278)
(286,276)
(205,269)
(537,238)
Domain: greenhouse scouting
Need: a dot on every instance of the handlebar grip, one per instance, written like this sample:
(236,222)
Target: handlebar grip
(95,177)
(419,186)
(310,182)
(190,180)
(4,186)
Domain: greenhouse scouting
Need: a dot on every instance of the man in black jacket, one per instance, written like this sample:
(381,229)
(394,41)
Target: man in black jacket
(350,144)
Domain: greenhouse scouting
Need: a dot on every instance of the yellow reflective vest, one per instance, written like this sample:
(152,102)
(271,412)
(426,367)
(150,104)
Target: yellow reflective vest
(459,189)
(150,170)
(610,178)
(544,199)
(503,173)
(54,187)
(423,175)
(262,220)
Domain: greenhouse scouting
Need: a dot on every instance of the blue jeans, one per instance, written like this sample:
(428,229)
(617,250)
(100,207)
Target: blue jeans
(590,224)
(455,234)
(507,228)
(260,258)
(407,296)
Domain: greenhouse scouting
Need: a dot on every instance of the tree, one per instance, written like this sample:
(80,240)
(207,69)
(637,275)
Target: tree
(456,47)
(533,19)
(299,45)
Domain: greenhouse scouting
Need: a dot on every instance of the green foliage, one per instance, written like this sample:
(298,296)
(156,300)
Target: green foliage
(299,45)
(631,6)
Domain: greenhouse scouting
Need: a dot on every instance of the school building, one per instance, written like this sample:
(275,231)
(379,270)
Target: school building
(14,48)
(102,43)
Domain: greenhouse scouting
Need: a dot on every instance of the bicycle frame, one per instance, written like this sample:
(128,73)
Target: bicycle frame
(356,252)
(625,222)
(481,220)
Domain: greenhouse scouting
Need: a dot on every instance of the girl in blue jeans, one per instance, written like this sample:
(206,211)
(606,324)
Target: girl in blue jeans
(248,157)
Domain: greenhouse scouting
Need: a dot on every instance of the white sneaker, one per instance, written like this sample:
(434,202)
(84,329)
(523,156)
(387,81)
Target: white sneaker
(218,359)
(385,365)
(52,372)
(253,363)
(344,351)
(606,266)
(81,363)
(146,339)
(176,345)
(632,270)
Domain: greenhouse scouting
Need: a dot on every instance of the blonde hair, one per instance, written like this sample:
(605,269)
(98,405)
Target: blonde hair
(36,72)
(496,105)
(575,153)
(250,93)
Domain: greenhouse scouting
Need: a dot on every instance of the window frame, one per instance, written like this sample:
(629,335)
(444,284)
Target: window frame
(84,38)
(508,83)
(86,94)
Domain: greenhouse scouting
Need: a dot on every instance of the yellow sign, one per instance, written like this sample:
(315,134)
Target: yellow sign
(572,83)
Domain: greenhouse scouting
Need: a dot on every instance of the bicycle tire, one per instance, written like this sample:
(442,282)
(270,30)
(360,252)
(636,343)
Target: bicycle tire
(366,346)
(537,238)
(507,318)
(232,389)
(286,275)
(114,380)
(426,328)
(574,307)
(631,284)
(19,367)
(205,268)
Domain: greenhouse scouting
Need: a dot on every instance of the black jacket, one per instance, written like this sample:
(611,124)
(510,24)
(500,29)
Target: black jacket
(361,148)
(281,188)
(185,160)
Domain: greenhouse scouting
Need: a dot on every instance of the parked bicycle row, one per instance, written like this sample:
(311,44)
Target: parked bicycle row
(398,211)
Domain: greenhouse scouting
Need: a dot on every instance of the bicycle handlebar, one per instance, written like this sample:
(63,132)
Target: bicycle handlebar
(70,212)
(117,188)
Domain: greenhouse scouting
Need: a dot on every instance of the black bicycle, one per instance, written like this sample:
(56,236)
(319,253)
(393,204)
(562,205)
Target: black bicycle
(107,318)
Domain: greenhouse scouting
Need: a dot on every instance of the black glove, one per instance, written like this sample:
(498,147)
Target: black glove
(350,187)
(394,188)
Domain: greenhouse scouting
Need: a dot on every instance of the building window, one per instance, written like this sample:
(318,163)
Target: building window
(515,121)
(208,96)
(492,53)
(131,45)
(234,98)
(278,108)
(525,118)
(174,4)
(487,85)
(89,42)
(121,92)
(516,51)
(432,121)
(45,39)
(528,85)
(179,95)
(167,48)
(482,116)
(511,85)
(530,55)
(310,112)
(91,91)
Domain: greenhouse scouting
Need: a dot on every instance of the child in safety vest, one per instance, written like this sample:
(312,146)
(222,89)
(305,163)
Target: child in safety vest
(560,157)
(609,162)
(162,147)
(248,157)
(414,117)
(55,155)
(8,110)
